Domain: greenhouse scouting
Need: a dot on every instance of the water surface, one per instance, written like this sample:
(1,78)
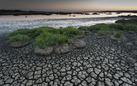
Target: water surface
(11,23)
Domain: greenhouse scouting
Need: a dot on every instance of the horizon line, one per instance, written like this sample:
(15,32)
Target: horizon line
(65,10)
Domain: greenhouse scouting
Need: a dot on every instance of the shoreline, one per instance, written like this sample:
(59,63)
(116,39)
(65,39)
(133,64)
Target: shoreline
(8,26)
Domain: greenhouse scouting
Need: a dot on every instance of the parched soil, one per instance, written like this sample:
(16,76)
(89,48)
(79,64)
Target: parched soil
(103,62)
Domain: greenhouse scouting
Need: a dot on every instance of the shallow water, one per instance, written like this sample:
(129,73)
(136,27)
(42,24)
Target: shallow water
(11,23)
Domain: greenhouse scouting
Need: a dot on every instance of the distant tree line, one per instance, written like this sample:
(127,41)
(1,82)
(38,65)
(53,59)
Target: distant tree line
(20,12)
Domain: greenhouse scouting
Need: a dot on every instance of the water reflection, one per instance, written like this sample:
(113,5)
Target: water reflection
(11,23)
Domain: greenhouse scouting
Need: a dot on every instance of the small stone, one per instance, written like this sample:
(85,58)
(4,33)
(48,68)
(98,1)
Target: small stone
(88,32)
(62,70)
(94,75)
(44,84)
(68,84)
(1,82)
(51,77)
(97,71)
(108,83)
(26,52)
(45,51)
(39,80)
(29,83)
(116,76)
(135,64)
(116,83)
(131,32)
(84,83)
(68,77)
(135,52)
(75,80)
(89,79)
(18,44)
(83,28)
(9,81)
(80,36)
(81,75)
(62,49)
(90,70)
(78,43)
(127,75)
(129,44)
(130,61)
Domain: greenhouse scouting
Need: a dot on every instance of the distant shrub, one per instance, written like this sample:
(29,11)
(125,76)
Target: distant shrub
(119,35)
(19,38)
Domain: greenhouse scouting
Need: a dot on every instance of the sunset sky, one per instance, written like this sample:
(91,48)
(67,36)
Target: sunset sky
(69,5)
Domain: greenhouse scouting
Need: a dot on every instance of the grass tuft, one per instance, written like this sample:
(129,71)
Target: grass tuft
(19,38)
(49,39)
(119,35)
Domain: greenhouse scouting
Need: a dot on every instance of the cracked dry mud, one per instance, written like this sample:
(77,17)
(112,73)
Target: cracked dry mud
(101,63)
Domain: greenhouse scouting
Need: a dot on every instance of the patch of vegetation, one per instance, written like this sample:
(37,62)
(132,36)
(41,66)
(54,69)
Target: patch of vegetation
(45,39)
(69,42)
(75,38)
(130,21)
(97,27)
(70,31)
(45,36)
(95,13)
(103,31)
(19,38)
(81,33)
(49,39)
(61,39)
(116,26)
(119,35)
(111,27)
(130,27)
(21,31)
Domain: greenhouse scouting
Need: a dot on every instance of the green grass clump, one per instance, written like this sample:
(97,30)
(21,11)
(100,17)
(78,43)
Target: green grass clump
(61,39)
(21,31)
(49,39)
(103,32)
(130,21)
(97,27)
(81,32)
(70,31)
(45,36)
(116,26)
(130,27)
(36,32)
(19,38)
(119,35)
(45,39)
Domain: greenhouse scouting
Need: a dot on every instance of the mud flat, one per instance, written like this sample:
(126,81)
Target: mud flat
(103,62)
